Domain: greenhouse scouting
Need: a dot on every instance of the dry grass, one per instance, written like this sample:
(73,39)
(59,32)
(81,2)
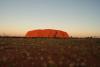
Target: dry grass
(49,52)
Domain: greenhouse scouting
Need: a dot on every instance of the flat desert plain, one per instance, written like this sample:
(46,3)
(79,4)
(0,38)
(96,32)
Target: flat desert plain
(49,52)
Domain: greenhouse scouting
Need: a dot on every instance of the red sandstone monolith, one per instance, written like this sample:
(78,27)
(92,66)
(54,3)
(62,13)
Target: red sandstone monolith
(50,33)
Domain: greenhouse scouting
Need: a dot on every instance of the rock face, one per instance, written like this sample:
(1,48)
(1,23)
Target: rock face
(50,33)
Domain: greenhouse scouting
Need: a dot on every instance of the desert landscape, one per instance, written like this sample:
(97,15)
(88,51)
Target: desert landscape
(49,52)
(49,33)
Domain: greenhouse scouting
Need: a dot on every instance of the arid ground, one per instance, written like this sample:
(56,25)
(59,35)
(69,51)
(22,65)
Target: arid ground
(49,52)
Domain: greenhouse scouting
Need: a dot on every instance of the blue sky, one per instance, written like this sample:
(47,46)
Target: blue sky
(77,17)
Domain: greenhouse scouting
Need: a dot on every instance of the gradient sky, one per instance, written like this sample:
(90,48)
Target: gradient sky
(77,17)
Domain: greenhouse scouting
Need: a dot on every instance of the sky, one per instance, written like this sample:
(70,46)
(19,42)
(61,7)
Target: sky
(79,18)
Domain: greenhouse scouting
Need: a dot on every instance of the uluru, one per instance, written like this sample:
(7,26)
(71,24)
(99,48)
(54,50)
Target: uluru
(49,33)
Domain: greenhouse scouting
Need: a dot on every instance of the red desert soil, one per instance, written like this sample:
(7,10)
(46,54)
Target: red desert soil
(49,52)
(51,33)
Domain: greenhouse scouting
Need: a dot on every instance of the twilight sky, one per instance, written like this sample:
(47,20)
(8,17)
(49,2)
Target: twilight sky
(77,17)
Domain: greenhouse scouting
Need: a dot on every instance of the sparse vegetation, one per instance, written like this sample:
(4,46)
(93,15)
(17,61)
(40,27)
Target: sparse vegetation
(49,52)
